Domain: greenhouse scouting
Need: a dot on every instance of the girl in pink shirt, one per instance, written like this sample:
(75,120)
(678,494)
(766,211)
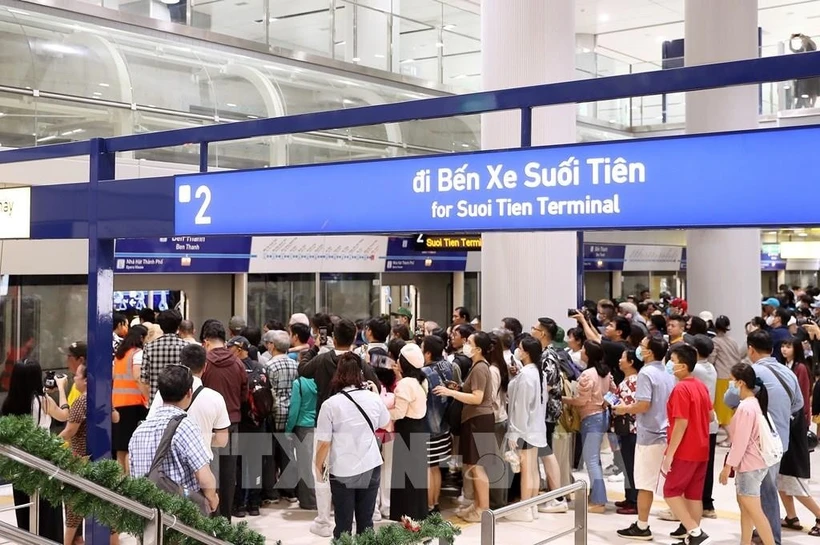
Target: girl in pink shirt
(744,456)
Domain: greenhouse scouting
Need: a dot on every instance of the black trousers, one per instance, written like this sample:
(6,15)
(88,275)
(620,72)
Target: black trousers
(355,496)
(249,465)
(51,517)
(709,483)
(625,460)
(224,469)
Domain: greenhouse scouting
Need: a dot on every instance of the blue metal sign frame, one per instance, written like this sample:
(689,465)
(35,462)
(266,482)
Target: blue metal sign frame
(102,154)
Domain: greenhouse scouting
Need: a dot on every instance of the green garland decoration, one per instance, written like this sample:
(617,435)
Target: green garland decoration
(433,527)
(21,432)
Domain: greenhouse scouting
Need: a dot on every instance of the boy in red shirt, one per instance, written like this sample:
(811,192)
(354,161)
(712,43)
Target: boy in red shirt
(689,411)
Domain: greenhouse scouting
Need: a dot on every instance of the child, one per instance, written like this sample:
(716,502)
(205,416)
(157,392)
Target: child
(689,410)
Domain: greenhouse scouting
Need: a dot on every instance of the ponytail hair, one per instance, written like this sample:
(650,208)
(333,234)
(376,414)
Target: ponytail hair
(746,374)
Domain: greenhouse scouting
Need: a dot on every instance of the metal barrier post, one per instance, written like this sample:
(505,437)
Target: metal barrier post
(581,504)
(152,535)
(34,514)
(578,488)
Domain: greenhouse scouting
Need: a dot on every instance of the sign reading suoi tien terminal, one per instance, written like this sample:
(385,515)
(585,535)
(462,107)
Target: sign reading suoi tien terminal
(15,213)
(716,180)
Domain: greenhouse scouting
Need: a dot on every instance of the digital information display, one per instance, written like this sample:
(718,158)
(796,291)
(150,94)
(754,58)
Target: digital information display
(718,180)
(447,243)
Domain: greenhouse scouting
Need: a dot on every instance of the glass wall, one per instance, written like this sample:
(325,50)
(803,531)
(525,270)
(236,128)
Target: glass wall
(472,292)
(39,317)
(66,80)
(352,295)
(278,296)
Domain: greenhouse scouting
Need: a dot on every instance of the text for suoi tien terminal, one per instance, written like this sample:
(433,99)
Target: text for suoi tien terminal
(599,171)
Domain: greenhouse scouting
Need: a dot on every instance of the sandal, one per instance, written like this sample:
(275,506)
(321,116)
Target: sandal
(815,532)
(792,524)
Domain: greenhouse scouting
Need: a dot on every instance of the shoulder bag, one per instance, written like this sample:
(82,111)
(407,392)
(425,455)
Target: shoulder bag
(157,476)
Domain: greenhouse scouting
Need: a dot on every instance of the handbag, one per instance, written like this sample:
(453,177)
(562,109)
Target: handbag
(811,437)
(157,476)
(621,424)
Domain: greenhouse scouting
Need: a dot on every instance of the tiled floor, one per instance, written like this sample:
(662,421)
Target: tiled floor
(291,524)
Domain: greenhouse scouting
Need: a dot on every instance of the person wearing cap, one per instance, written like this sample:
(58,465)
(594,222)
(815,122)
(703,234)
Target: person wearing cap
(403,316)
(769,305)
(408,491)
(249,498)
(236,325)
(679,306)
(75,355)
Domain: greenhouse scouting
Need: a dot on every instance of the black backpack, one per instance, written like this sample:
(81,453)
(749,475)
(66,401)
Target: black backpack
(260,393)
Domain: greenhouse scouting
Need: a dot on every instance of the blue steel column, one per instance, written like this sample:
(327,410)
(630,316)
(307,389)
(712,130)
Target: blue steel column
(100,308)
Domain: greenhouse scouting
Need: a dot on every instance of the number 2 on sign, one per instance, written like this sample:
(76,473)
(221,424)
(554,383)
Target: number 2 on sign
(203,192)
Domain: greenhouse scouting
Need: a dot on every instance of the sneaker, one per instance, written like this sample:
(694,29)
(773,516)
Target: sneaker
(611,469)
(291,499)
(633,532)
(554,506)
(667,514)
(702,539)
(321,530)
(680,532)
(522,515)
(434,510)
(629,509)
(271,501)
(709,514)
(240,512)
(617,478)
(377,516)
(253,511)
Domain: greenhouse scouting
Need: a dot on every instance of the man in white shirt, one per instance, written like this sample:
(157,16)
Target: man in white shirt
(207,408)
(186,332)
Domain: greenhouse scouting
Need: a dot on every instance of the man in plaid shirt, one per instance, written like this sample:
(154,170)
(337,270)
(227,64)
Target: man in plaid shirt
(187,462)
(158,354)
(281,371)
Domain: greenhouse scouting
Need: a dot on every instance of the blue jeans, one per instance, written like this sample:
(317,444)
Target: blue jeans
(770,501)
(592,435)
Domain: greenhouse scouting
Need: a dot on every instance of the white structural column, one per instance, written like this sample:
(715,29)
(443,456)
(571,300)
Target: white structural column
(527,42)
(723,265)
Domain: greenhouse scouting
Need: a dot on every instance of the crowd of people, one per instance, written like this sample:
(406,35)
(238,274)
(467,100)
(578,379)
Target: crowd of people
(373,419)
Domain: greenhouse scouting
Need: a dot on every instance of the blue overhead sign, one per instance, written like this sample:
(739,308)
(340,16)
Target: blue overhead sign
(184,254)
(722,180)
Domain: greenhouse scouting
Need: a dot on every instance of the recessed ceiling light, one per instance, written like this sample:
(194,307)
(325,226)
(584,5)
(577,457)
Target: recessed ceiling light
(340,43)
(378,56)
(272,19)
(356,59)
(603,17)
(802,234)
(449,26)
(407,61)
(231,105)
(439,45)
(105,85)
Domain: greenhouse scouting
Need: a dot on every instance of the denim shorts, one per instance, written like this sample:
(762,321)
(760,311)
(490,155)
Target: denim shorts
(748,482)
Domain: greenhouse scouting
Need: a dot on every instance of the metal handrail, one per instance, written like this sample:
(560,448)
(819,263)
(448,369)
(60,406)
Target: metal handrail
(101,492)
(22,537)
(490,517)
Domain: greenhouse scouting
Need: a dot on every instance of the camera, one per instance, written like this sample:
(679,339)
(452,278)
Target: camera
(572,312)
(50,381)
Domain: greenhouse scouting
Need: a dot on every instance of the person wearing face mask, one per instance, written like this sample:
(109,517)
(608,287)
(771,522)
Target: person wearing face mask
(477,422)
(594,382)
(769,306)
(686,461)
(744,457)
(527,428)
(654,386)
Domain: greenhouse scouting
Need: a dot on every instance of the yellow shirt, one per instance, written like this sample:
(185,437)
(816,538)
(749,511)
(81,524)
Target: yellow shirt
(73,395)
